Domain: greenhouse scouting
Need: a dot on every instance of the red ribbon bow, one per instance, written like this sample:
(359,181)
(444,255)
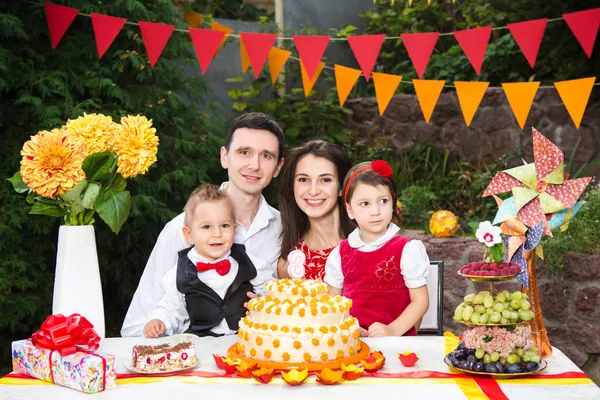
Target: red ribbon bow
(222,267)
(65,333)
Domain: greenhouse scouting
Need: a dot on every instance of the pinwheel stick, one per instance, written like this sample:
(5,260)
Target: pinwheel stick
(538,329)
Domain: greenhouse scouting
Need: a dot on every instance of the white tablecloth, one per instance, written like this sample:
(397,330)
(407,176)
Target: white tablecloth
(430,350)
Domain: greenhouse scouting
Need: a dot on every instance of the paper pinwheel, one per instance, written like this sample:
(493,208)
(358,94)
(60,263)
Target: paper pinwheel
(538,189)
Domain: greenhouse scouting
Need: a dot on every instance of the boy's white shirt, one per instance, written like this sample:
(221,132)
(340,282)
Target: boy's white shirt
(172,310)
(414,263)
(262,238)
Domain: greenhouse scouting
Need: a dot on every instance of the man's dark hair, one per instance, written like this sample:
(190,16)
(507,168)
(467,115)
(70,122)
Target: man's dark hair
(256,120)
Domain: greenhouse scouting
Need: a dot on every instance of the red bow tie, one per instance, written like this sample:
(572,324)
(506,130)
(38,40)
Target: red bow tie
(222,267)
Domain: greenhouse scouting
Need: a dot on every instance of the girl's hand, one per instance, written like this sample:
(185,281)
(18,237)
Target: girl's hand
(379,330)
(363,332)
(154,328)
(251,295)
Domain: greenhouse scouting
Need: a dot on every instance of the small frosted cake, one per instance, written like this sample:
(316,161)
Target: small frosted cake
(298,322)
(164,357)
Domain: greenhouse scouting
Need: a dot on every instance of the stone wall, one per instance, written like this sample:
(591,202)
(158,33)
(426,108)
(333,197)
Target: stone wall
(571,308)
(494,131)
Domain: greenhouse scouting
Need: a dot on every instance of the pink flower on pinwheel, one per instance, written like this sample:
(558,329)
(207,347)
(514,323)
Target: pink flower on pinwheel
(488,234)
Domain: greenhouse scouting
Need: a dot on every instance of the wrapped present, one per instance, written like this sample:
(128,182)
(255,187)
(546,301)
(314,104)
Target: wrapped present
(63,352)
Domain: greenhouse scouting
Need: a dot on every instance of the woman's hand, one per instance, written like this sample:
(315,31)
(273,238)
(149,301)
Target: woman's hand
(154,328)
(379,330)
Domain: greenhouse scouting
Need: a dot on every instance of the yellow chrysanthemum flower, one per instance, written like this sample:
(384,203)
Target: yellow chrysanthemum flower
(136,144)
(443,223)
(51,163)
(96,131)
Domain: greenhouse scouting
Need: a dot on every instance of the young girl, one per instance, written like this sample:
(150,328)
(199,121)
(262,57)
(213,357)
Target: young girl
(383,273)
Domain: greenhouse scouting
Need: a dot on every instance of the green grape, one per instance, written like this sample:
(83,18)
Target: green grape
(486,359)
(506,305)
(475,318)
(495,317)
(533,348)
(479,309)
(524,297)
(484,293)
(506,294)
(504,321)
(478,299)
(526,357)
(515,304)
(516,295)
(484,318)
(467,313)
(502,360)
(520,352)
(499,307)
(527,315)
(525,305)
(536,359)
(506,314)
(479,353)
(488,301)
(489,311)
(463,304)
(469,298)
(512,358)
(495,356)
(458,313)
(500,297)
(514,315)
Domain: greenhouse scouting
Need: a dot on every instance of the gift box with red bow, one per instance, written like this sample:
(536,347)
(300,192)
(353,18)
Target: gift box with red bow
(63,351)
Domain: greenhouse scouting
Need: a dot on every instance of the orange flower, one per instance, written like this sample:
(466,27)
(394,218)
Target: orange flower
(285,357)
(307,357)
(95,130)
(276,343)
(331,342)
(295,376)
(268,354)
(297,344)
(408,359)
(263,375)
(219,360)
(330,377)
(352,372)
(245,369)
(136,144)
(315,342)
(259,340)
(230,365)
(373,363)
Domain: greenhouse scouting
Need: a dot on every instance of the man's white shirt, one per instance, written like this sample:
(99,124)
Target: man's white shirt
(260,239)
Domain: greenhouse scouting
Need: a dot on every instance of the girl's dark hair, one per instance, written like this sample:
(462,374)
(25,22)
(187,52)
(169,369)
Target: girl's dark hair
(371,178)
(294,221)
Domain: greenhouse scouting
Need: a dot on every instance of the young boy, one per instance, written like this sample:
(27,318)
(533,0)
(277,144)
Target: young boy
(206,290)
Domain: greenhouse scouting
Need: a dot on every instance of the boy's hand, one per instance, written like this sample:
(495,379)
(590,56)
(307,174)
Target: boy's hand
(154,328)
(378,330)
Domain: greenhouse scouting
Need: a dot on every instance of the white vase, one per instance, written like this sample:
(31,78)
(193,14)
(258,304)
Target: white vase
(77,285)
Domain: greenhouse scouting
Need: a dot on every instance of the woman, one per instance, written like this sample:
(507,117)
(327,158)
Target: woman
(313,217)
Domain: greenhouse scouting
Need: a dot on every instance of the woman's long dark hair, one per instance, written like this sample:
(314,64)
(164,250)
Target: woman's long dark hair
(294,221)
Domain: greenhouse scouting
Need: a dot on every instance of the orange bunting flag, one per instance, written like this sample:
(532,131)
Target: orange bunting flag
(575,95)
(215,26)
(155,38)
(206,42)
(193,18)
(244,57)
(520,96)
(309,83)
(428,93)
(106,29)
(385,87)
(277,59)
(470,95)
(258,46)
(345,78)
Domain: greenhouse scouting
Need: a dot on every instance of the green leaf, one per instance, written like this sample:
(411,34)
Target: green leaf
(98,166)
(239,106)
(18,184)
(340,137)
(52,210)
(90,195)
(113,208)
(474,225)
(74,195)
(235,79)
(30,197)
(497,252)
(118,184)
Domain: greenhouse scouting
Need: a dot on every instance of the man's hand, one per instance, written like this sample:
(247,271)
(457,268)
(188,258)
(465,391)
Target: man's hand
(379,330)
(154,328)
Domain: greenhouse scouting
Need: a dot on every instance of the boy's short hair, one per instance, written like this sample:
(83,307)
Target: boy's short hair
(205,193)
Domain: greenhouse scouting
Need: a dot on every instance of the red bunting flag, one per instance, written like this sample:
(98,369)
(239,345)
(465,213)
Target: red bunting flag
(311,49)
(366,49)
(206,43)
(419,47)
(106,29)
(474,43)
(258,46)
(155,38)
(584,25)
(528,36)
(59,19)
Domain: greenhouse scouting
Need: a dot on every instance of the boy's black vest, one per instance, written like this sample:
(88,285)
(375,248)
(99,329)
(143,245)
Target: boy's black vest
(205,307)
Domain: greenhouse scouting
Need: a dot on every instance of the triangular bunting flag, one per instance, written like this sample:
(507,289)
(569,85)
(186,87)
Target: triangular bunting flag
(419,47)
(106,29)
(59,19)
(470,95)
(215,26)
(244,57)
(311,49)
(520,96)
(258,46)
(345,78)
(366,49)
(474,43)
(155,38)
(277,59)
(385,87)
(428,93)
(528,36)
(206,42)
(193,18)
(584,25)
(575,95)
(307,83)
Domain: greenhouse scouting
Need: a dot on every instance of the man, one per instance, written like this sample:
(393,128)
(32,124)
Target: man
(252,156)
